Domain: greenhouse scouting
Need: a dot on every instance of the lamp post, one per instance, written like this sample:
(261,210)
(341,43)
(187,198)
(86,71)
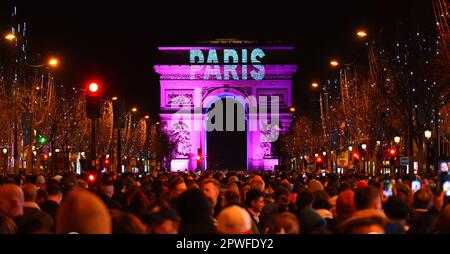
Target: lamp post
(5,153)
(427,143)
(397,142)
(364,148)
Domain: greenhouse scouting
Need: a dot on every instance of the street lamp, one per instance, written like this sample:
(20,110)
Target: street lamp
(364,146)
(334,63)
(361,34)
(350,148)
(53,62)
(146,117)
(134,109)
(427,143)
(10,37)
(5,151)
(427,134)
(114,98)
(292,109)
(397,139)
(315,85)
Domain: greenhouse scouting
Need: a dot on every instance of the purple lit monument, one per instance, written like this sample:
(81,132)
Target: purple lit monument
(201,75)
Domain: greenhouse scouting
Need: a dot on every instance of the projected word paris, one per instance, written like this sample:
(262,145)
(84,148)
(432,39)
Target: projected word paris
(229,66)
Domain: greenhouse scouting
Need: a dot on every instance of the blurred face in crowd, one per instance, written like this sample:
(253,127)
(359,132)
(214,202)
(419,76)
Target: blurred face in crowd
(178,190)
(11,200)
(167,227)
(107,190)
(211,192)
(258,204)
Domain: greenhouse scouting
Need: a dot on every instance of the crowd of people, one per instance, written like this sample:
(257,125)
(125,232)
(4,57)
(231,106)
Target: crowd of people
(222,202)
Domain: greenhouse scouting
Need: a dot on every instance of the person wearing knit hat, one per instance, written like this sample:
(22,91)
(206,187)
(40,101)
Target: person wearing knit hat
(234,220)
(367,221)
(84,213)
(315,185)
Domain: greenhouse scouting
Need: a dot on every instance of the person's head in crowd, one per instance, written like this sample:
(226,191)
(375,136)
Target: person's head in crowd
(54,193)
(162,219)
(130,184)
(315,185)
(311,222)
(367,221)
(30,192)
(368,197)
(423,199)
(195,212)
(84,213)
(345,203)
(321,200)
(234,220)
(119,185)
(283,199)
(254,200)
(106,186)
(305,199)
(397,209)
(40,181)
(442,225)
(230,197)
(11,200)
(176,187)
(286,223)
(137,203)
(257,183)
(126,223)
(69,182)
(42,196)
(211,189)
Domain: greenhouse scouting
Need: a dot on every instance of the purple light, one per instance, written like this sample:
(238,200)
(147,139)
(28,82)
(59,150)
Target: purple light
(221,47)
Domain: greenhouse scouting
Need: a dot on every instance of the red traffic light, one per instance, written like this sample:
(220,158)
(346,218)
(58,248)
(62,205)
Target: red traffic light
(199,157)
(392,152)
(355,156)
(91,178)
(106,161)
(45,156)
(319,159)
(93,87)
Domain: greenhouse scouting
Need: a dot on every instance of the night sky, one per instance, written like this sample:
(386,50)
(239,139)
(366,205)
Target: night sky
(116,42)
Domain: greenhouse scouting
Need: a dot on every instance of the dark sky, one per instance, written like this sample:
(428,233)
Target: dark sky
(115,42)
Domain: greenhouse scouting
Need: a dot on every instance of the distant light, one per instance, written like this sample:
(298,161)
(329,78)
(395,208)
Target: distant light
(334,63)
(361,34)
(147,117)
(427,134)
(5,150)
(350,148)
(315,155)
(364,146)
(93,87)
(53,62)
(324,153)
(114,98)
(292,109)
(10,37)
(134,109)
(315,84)
(91,177)
(397,139)
(56,150)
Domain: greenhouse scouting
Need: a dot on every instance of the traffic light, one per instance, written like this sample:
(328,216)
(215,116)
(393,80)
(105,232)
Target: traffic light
(93,100)
(42,140)
(355,155)
(91,178)
(319,159)
(392,152)
(45,157)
